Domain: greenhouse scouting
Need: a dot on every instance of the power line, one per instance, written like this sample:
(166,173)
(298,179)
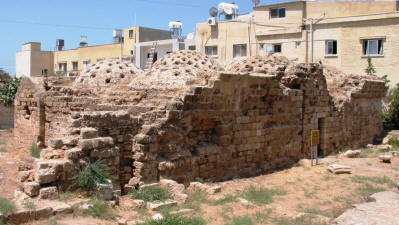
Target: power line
(171,4)
(56,25)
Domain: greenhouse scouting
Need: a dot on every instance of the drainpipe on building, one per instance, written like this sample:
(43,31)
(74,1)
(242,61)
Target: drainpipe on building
(311,22)
(249,36)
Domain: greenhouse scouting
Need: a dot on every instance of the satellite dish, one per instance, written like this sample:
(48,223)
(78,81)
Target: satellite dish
(213,12)
(256,2)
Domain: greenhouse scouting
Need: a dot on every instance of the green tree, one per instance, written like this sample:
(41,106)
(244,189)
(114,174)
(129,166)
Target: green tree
(4,74)
(370,70)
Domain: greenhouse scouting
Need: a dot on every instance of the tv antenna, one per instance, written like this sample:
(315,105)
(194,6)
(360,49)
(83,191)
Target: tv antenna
(256,2)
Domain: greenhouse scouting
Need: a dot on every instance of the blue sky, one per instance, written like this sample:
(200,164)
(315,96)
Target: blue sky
(46,20)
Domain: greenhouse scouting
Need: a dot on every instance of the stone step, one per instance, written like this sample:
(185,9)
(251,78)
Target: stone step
(96,143)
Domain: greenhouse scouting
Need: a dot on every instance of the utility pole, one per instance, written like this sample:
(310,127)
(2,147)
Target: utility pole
(311,22)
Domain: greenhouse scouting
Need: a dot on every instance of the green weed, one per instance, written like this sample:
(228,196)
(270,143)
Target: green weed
(35,150)
(150,194)
(95,173)
(99,209)
(262,195)
(6,206)
(176,220)
(29,205)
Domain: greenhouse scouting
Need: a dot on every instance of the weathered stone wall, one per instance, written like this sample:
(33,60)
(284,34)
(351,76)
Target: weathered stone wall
(6,117)
(256,116)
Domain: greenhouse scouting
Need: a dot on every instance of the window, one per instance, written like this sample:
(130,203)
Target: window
(74,66)
(239,50)
(275,48)
(62,67)
(297,44)
(277,13)
(131,52)
(373,47)
(44,72)
(211,50)
(131,34)
(261,46)
(331,47)
(191,47)
(86,63)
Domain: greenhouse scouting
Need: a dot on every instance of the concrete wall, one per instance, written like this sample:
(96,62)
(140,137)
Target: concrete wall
(149,34)
(31,60)
(6,117)
(161,50)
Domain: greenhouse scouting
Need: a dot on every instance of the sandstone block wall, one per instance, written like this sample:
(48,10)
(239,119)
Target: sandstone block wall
(6,117)
(188,117)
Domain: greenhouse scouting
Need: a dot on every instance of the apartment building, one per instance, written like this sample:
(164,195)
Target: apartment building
(128,45)
(338,33)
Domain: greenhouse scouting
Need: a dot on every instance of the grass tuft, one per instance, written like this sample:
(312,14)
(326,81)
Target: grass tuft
(3,149)
(150,194)
(368,189)
(242,220)
(100,209)
(377,180)
(176,220)
(6,206)
(28,204)
(35,150)
(394,142)
(262,195)
(226,199)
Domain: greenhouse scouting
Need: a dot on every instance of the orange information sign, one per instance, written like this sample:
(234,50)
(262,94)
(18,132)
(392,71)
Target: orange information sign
(315,137)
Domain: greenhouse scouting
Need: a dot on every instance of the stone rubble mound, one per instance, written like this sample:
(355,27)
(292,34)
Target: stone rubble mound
(107,73)
(342,85)
(270,65)
(178,70)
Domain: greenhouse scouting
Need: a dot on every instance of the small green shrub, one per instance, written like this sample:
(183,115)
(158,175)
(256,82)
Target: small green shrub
(377,180)
(8,91)
(370,70)
(95,173)
(150,194)
(35,150)
(3,149)
(261,195)
(6,206)
(176,220)
(99,209)
(29,205)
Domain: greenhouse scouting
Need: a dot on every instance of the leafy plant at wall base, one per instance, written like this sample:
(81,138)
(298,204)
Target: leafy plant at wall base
(95,173)
(8,91)
(370,70)
(6,206)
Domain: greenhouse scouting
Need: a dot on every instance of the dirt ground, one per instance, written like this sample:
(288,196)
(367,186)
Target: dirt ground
(301,194)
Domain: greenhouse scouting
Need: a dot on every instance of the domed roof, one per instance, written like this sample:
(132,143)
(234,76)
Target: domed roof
(178,69)
(270,64)
(107,73)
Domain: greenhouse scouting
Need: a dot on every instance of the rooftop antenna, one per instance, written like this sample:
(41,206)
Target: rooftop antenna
(256,2)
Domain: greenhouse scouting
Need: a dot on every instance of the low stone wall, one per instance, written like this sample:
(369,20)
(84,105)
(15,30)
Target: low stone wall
(6,117)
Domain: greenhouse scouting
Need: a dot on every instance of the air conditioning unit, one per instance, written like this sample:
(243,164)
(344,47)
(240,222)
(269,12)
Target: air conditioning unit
(212,21)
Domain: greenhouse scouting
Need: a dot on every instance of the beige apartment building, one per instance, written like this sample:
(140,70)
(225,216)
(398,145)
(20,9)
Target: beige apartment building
(31,60)
(341,34)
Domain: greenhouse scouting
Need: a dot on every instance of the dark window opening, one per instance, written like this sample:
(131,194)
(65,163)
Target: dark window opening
(277,48)
(277,13)
(331,47)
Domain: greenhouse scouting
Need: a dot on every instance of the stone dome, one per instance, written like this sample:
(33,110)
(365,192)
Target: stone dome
(177,70)
(270,64)
(107,73)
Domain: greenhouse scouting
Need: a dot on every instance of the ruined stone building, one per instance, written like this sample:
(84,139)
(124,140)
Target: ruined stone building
(189,117)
